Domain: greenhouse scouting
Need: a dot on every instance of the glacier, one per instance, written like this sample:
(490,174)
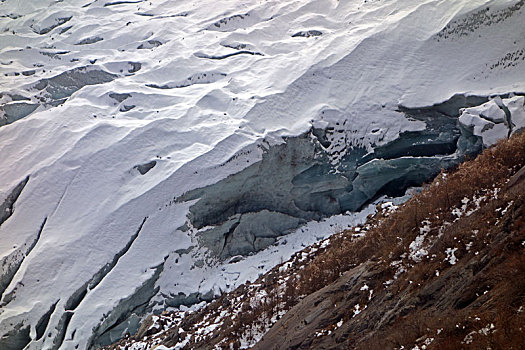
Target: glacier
(157,154)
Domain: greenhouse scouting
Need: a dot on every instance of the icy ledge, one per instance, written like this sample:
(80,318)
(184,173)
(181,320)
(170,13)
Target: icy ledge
(495,119)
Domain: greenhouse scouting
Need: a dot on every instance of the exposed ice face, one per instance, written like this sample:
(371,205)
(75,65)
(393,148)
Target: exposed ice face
(205,92)
(317,175)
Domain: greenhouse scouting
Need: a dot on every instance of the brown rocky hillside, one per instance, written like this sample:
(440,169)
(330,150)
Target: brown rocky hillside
(445,270)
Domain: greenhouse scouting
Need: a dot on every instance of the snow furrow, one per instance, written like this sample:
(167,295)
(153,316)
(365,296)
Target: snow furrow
(13,262)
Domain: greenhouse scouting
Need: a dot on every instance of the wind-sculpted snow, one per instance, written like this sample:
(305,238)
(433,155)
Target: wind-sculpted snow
(495,118)
(226,125)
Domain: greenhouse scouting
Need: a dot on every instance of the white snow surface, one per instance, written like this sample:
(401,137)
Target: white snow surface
(490,121)
(80,156)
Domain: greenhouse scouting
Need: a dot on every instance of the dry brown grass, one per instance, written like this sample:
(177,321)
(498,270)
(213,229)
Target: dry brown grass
(392,235)
(389,237)
(495,262)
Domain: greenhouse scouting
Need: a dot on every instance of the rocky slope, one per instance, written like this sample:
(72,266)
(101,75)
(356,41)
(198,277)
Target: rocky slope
(442,271)
(155,155)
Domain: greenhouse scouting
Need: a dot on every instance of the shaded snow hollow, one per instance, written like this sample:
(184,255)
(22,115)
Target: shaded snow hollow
(115,110)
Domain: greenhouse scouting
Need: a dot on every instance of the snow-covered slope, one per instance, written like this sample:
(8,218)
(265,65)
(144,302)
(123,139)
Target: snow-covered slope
(116,113)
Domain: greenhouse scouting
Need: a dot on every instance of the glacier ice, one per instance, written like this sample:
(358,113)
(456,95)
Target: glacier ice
(297,181)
